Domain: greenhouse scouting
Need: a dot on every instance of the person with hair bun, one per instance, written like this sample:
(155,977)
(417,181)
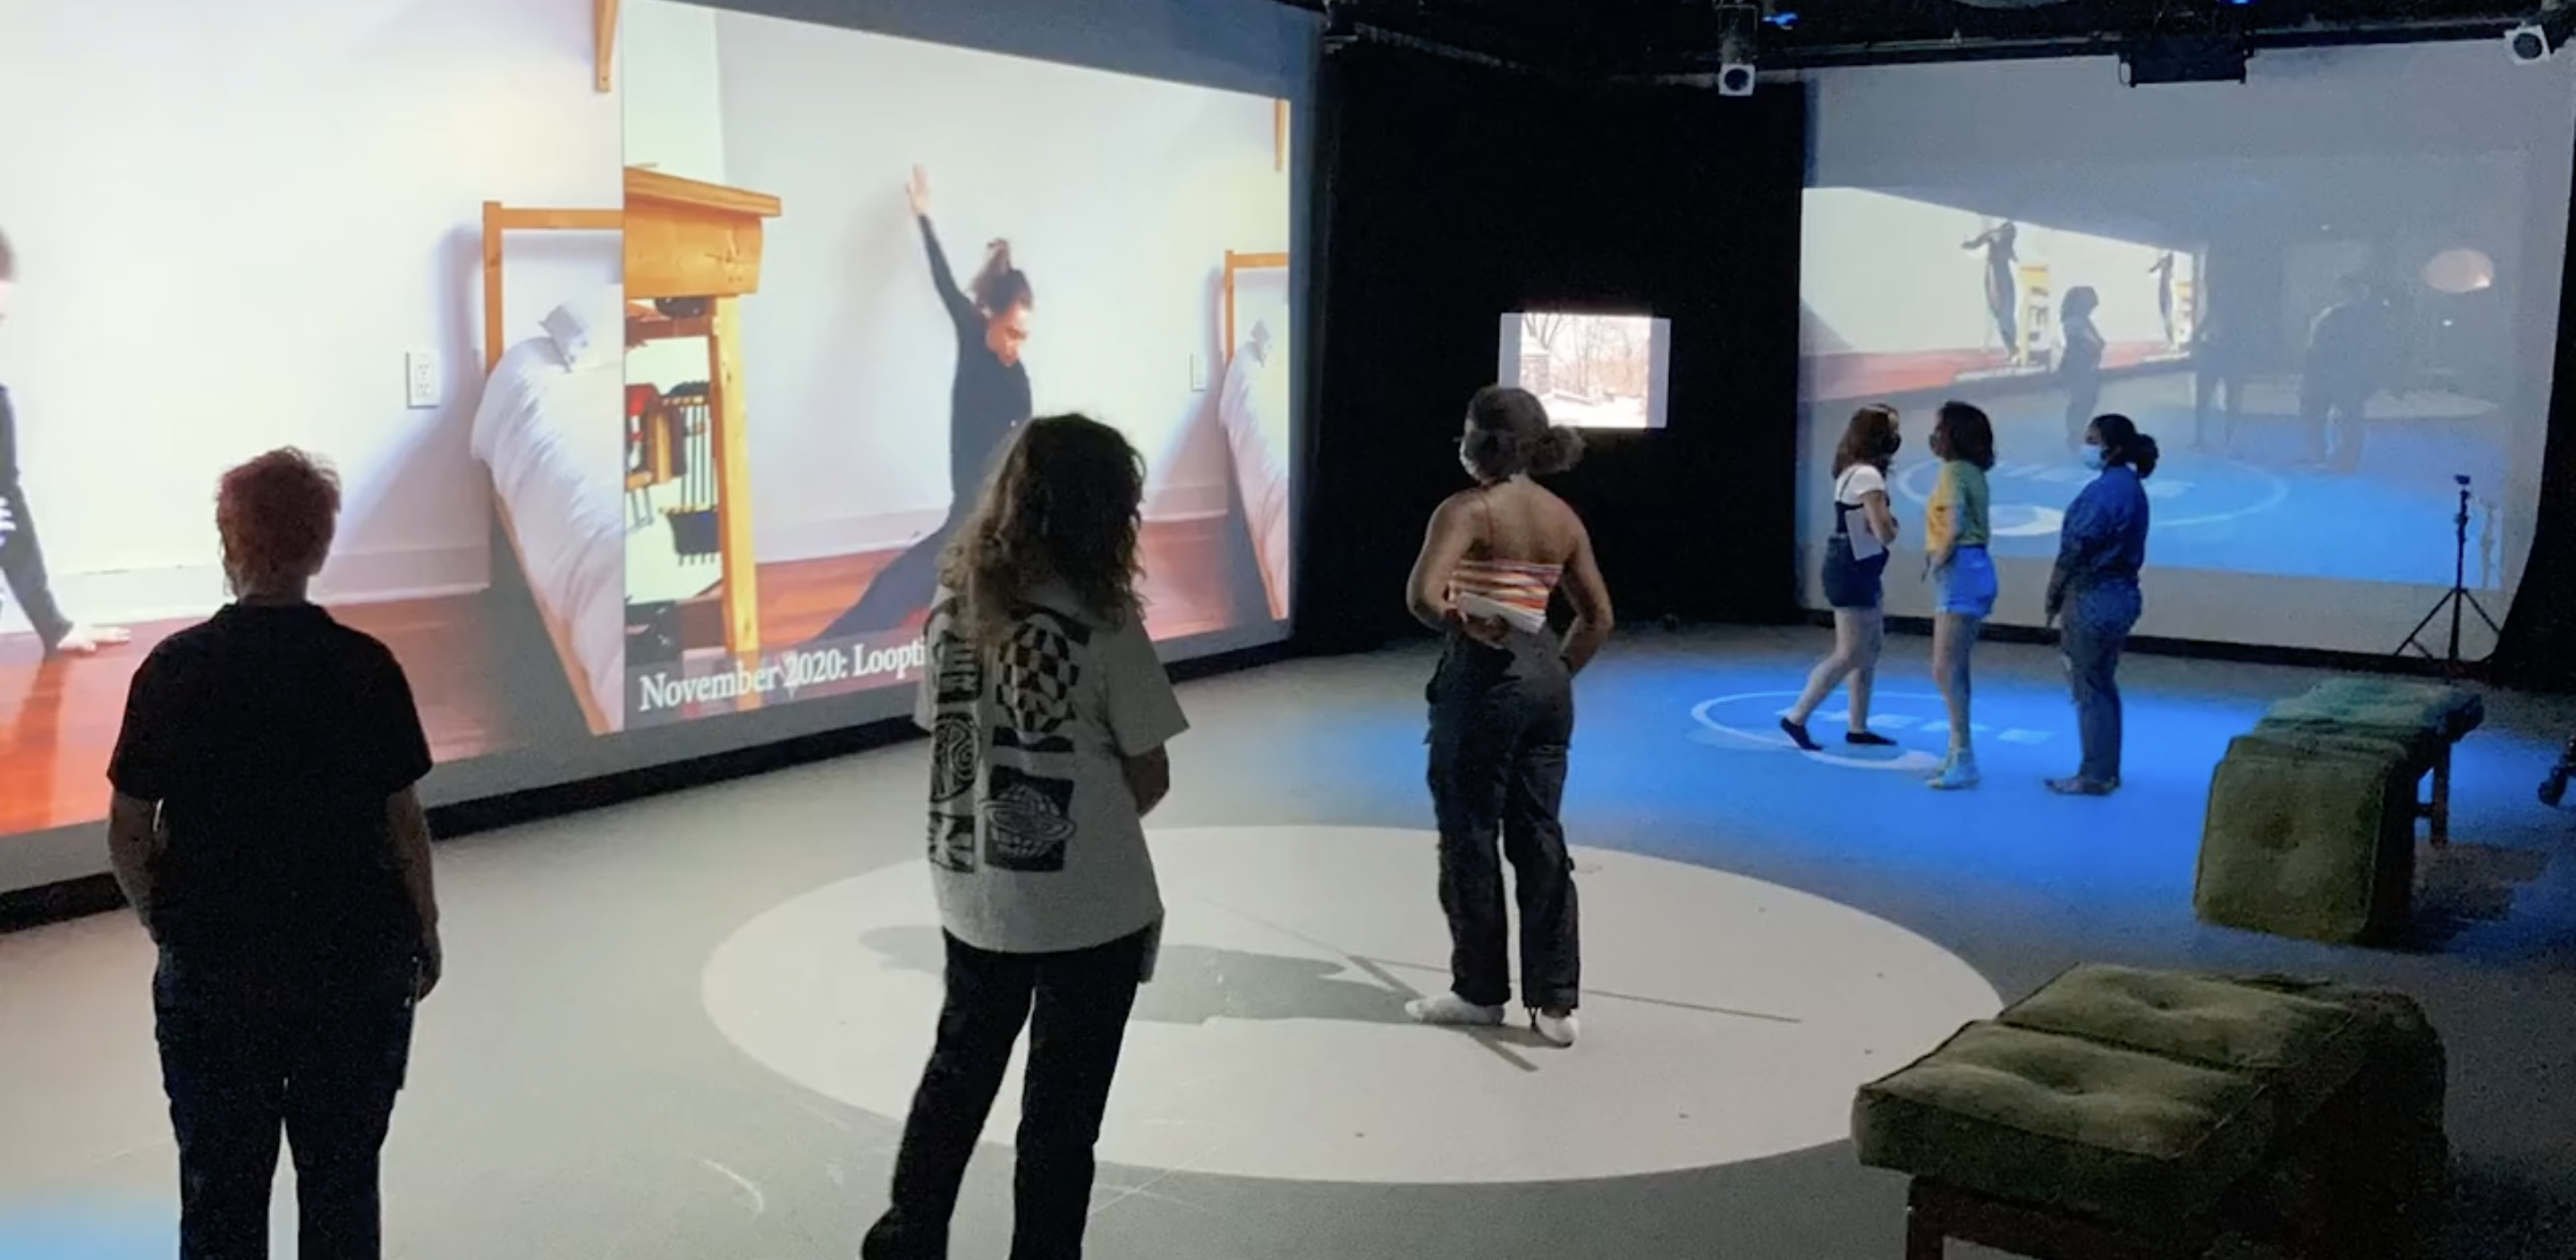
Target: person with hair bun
(1502,712)
(2100,548)
(265,827)
(988,400)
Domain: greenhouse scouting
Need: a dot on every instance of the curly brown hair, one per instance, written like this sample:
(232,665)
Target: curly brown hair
(1871,438)
(1063,504)
(1512,436)
(1964,433)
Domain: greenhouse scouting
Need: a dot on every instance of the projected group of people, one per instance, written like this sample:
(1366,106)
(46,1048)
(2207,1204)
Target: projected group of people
(2092,590)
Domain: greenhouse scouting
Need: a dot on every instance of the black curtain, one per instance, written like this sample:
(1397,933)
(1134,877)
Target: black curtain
(1452,193)
(2537,650)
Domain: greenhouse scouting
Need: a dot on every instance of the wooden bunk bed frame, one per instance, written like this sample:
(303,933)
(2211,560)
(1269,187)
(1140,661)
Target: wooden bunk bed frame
(498,222)
(699,242)
(1240,262)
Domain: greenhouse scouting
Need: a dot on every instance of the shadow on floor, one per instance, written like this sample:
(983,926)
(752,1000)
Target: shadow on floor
(1194,984)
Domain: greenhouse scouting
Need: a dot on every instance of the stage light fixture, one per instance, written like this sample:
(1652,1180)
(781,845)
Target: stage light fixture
(2535,41)
(1739,29)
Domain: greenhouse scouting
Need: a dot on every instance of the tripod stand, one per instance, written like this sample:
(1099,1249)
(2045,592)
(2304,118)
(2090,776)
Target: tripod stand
(2457,601)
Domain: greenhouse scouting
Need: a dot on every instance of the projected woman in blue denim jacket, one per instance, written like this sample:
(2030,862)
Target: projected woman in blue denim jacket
(987,401)
(2100,549)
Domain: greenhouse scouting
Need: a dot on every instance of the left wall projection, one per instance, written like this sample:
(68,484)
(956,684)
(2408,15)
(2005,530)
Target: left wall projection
(405,235)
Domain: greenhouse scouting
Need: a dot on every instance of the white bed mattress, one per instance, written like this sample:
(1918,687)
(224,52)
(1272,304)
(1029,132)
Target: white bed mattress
(554,439)
(1254,412)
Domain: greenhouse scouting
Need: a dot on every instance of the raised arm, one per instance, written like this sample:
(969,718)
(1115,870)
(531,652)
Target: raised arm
(960,307)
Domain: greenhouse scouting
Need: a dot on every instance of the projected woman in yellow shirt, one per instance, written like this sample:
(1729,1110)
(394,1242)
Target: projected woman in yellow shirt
(1963,575)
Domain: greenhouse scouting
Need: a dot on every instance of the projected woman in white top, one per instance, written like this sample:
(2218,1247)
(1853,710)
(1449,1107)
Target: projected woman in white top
(2001,298)
(987,402)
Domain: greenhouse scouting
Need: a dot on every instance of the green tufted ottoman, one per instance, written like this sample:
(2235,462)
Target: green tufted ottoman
(2425,718)
(2122,1114)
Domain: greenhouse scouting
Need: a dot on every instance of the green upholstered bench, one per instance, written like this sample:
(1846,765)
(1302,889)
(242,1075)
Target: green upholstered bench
(2120,1114)
(2425,718)
(2310,830)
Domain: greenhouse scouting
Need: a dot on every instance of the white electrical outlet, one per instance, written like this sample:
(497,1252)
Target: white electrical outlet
(1198,374)
(420,376)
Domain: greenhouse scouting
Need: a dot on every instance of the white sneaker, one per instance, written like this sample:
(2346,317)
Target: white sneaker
(1556,1030)
(1449,1010)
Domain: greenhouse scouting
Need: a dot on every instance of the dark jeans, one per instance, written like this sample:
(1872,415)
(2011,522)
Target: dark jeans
(2098,622)
(317,1052)
(1501,723)
(1075,1006)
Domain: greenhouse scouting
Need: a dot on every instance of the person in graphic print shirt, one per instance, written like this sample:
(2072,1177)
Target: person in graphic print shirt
(1048,714)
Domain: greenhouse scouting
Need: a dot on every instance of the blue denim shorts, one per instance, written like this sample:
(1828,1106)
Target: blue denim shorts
(1965,587)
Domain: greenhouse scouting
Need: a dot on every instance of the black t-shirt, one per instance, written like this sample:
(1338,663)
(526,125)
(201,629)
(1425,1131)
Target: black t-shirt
(272,736)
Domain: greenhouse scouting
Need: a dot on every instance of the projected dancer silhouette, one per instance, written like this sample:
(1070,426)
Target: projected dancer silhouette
(2079,361)
(2347,349)
(2001,297)
(987,402)
(2217,365)
(2163,271)
(22,557)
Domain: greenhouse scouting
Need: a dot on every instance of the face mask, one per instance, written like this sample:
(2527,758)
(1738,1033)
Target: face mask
(2093,456)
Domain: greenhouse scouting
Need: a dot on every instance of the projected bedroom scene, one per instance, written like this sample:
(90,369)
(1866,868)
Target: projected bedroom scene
(343,300)
(2317,364)
(1593,370)
(834,321)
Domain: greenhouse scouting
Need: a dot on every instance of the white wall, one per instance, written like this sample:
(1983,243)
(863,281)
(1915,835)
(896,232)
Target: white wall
(1886,274)
(1119,195)
(675,118)
(234,220)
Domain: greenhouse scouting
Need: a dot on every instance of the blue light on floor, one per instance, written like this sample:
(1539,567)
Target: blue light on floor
(130,1232)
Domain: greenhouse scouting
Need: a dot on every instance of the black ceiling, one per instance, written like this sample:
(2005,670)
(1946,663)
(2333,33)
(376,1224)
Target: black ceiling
(1668,36)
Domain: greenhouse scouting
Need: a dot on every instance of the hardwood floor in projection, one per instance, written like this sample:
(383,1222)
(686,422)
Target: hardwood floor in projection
(58,718)
(1187,588)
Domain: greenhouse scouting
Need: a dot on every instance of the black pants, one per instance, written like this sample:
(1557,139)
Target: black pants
(1075,1007)
(317,1053)
(902,588)
(1501,723)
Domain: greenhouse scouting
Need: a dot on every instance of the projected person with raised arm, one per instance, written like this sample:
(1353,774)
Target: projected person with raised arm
(22,556)
(2002,294)
(987,401)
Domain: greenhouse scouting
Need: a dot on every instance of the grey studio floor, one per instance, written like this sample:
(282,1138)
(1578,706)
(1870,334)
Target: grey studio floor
(679,1029)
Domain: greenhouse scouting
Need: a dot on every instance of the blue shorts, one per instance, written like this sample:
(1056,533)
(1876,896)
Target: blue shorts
(1965,587)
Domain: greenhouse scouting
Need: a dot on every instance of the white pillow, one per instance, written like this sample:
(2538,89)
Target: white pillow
(571,332)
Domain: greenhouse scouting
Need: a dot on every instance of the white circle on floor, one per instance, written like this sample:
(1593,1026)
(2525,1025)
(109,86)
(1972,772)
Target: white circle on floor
(1725,1019)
